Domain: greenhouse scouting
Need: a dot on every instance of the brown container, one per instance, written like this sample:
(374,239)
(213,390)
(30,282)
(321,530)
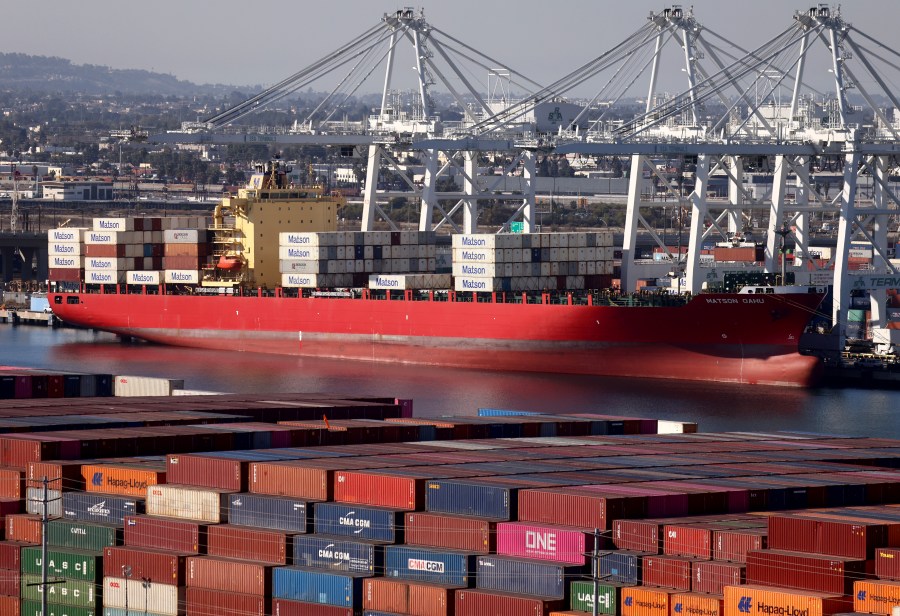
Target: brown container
(667,571)
(9,606)
(306,479)
(250,544)
(472,602)
(887,563)
(285,607)
(454,532)
(65,275)
(155,565)
(386,595)
(799,570)
(11,555)
(638,535)
(733,545)
(105,250)
(63,475)
(712,577)
(12,483)
(10,583)
(229,575)
(208,472)
(23,527)
(430,600)
(188,263)
(766,600)
(573,507)
(203,602)
(693,540)
(167,534)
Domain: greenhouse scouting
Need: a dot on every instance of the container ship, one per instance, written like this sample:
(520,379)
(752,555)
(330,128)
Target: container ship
(270,273)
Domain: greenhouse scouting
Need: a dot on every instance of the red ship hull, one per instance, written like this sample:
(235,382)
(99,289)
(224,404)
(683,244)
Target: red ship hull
(724,338)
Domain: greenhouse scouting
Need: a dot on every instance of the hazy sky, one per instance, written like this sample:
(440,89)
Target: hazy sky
(247,43)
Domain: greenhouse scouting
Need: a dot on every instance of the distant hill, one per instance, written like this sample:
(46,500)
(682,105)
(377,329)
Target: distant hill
(50,74)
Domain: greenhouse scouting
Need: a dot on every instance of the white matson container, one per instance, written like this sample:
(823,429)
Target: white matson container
(182,277)
(188,503)
(127,386)
(64,248)
(142,277)
(114,224)
(66,262)
(65,234)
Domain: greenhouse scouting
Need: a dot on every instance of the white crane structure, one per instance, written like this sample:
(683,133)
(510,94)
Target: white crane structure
(773,116)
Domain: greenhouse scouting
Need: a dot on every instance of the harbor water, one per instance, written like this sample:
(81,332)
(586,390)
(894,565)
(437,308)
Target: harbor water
(445,391)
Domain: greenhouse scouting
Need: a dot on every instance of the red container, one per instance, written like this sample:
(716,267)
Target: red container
(887,563)
(430,600)
(454,532)
(203,602)
(65,275)
(10,555)
(306,479)
(229,575)
(9,606)
(689,540)
(285,607)
(577,507)
(23,527)
(167,534)
(667,571)
(208,472)
(156,565)
(250,544)
(798,570)
(794,533)
(470,602)
(538,542)
(12,483)
(380,490)
(386,595)
(712,577)
(733,545)
(10,583)
(63,475)
(638,535)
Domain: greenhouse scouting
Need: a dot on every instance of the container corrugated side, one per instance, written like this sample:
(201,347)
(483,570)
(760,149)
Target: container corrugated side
(752,600)
(525,577)
(343,589)
(469,498)
(187,503)
(876,596)
(733,545)
(207,471)
(369,523)
(246,543)
(581,597)
(540,542)
(72,593)
(646,601)
(476,602)
(168,534)
(386,595)
(228,575)
(11,605)
(33,608)
(203,602)
(431,599)
(475,535)
(279,513)
(621,566)
(814,572)
(23,527)
(712,576)
(887,563)
(429,565)
(697,604)
(130,386)
(667,571)
(11,555)
(286,607)
(574,507)
(123,480)
(83,535)
(64,563)
(156,565)
(165,599)
(379,490)
(104,508)
(337,553)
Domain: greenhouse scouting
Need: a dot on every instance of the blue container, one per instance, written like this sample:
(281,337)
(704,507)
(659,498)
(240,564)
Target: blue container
(273,512)
(504,413)
(7,387)
(300,584)
(468,498)
(338,554)
(525,577)
(434,566)
(621,567)
(71,386)
(103,508)
(369,523)
(104,385)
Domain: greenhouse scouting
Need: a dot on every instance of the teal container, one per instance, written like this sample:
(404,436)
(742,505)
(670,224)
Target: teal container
(582,598)
(83,535)
(69,593)
(63,563)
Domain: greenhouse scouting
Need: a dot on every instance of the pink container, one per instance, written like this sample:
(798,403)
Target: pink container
(553,543)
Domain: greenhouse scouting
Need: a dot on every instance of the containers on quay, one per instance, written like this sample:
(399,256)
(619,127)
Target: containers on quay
(72,593)
(289,514)
(712,576)
(553,543)
(64,563)
(372,523)
(622,566)
(752,600)
(123,479)
(645,601)
(876,596)
(90,507)
(188,503)
(343,589)
(887,563)
(697,604)
(246,543)
(169,534)
(228,575)
(337,554)
(157,565)
(474,535)
(582,597)
(814,572)
(286,607)
(527,577)
(429,565)
(478,602)
(669,571)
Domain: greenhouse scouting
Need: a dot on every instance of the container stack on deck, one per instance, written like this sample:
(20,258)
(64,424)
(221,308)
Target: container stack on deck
(65,248)
(256,505)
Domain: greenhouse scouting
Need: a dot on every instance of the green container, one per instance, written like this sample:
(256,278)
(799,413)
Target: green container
(583,597)
(64,563)
(83,535)
(33,608)
(69,593)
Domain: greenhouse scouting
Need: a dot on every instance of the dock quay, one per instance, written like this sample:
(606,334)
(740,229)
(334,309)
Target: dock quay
(29,317)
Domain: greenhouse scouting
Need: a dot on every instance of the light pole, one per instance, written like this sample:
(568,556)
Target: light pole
(145,582)
(126,575)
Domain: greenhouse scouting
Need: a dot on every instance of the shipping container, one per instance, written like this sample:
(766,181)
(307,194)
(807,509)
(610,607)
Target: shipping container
(646,601)
(711,576)
(34,502)
(83,535)
(23,527)
(667,571)
(128,386)
(64,563)
(553,543)
(229,575)
(475,535)
(10,583)
(10,606)
(154,565)
(380,490)
(621,566)
(33,608)
(887,563)
(207,471)
(188,503)
(338,554)
(169,534)
(12,483)
(876,596)
(582,597)
(103,508)
(479,602)
(72,593)
(286,607)
(525,577)
(203,602)
(278,513)
(753,600)
(802,571)
(11,555)
(431,599)
(371,523)
(696,604)
(386,595)
(343,589)
(250,544)
(429,565)
(733,545)
(577,507)
(470,498)
(123,479)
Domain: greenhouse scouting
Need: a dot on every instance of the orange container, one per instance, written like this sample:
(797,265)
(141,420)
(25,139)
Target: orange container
(23,527)
(430,600)
(121,479)
(9,606)
(875,596)
(645,601)
(768,600)
(385,595)
(569,613)
(696,604)
(12,483)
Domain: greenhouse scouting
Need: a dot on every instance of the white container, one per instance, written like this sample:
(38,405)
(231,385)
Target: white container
(474,255)
(483,270)
(65,234)
(153,598)
(391,281)
(34,502)
(298,239)
(142,277)
(70,249)
(475,240)
(303,281)
(188,503)
(61,262)
(306,252)
(182,277)
(128,386)
(114,224)
(106,237)
(481,285)
(178,236)
(300,266)
(103,276)
(106,263)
